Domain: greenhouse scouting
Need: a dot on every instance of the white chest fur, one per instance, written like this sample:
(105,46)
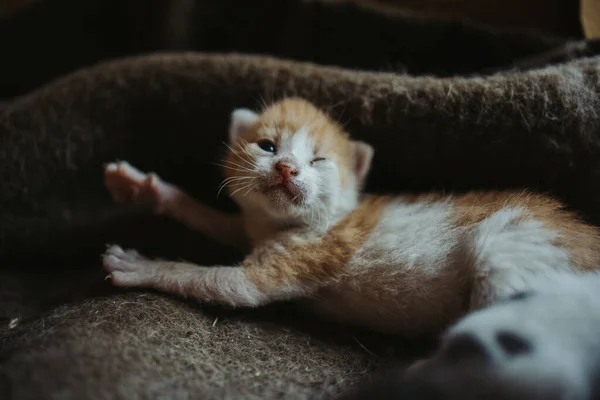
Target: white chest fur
(409,236)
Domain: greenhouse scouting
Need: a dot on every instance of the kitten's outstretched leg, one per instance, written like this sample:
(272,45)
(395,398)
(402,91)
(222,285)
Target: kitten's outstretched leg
(229,285)
(127,184)
(295,264)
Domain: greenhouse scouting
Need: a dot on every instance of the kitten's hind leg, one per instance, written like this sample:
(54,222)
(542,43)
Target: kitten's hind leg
(128,184)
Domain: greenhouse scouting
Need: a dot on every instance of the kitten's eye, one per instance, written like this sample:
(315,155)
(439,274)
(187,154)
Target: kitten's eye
(317,160)
(266,145)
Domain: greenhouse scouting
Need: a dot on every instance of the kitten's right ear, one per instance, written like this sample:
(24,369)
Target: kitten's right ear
(363,156)
(241,119)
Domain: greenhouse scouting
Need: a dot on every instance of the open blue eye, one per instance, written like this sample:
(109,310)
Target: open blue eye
(266,145)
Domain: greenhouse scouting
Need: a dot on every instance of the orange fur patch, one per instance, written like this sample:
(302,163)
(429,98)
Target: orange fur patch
(319,260)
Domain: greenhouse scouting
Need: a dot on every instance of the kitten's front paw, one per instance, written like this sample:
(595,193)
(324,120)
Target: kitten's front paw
(127,184)
(127,268)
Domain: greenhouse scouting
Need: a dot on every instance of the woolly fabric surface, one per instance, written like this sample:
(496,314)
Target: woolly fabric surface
(66,334)
(169,113)
(141,346)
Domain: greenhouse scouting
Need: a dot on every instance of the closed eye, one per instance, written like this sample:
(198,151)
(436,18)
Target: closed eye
(523,295)
(317,160)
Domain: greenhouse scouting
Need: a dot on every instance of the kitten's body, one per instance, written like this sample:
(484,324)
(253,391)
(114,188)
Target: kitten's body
(405,264)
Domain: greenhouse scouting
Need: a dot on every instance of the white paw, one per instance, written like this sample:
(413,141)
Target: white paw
(127,267)
(127,184)
(123,181)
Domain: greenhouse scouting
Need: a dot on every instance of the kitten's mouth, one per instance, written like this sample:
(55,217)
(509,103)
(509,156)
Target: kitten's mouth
(289,190)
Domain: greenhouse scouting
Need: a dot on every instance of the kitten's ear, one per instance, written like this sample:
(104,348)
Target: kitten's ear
(363,155)
(241,119)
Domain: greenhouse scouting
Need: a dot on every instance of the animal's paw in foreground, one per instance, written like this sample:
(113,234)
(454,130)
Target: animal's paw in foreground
(540,344)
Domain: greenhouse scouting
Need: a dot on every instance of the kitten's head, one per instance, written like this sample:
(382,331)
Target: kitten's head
(293,162)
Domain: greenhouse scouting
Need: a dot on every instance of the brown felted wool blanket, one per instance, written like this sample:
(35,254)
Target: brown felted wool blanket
(65,333)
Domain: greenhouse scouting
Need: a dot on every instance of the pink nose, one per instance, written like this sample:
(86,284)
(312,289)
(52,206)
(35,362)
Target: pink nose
(286,170)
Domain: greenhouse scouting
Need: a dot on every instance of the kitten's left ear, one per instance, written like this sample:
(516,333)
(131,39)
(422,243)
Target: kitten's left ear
(241,119)
(363,155)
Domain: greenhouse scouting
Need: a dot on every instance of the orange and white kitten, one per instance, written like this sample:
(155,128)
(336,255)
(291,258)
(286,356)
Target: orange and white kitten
(403,264)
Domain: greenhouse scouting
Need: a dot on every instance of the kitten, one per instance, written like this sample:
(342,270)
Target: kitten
(404,264)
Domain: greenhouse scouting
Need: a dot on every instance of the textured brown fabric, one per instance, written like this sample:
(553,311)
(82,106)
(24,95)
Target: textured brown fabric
(144,345)
(65,334)
(169,113)
(141,346)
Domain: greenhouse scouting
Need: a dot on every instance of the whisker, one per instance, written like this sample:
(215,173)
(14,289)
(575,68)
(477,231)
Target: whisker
(229,147)
(262,103)
(235,151)
(220,190)
(234,181)
(253,163)
(339,118)
(249,190)
(247,159)
(237,183)
(242,188)
(235,169)
(320,214)
(232,168)
(244,159)
(250,163)
(327,219)
(237,177)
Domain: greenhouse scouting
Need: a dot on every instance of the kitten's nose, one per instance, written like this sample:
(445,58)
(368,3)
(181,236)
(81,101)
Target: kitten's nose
(286,170)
